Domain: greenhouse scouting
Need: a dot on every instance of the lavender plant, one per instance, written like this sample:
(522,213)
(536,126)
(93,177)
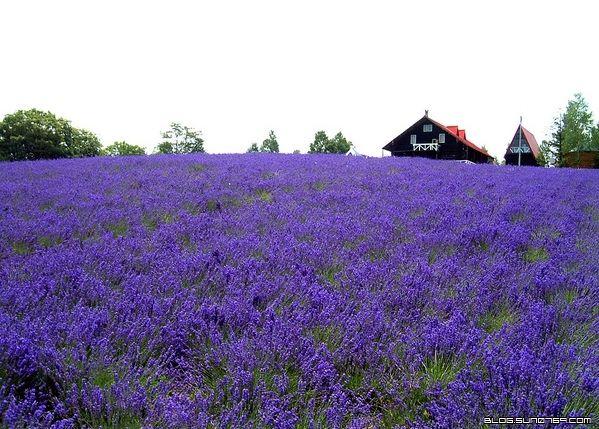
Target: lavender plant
(235,291)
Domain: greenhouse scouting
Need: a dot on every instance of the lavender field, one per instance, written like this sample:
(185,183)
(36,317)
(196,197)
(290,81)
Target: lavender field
(295,291)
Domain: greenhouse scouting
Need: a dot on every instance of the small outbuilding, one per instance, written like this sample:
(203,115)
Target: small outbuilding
(582,159)
(431,139)
(523,149)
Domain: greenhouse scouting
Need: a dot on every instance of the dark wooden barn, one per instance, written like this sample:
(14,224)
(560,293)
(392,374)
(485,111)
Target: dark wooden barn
(431,139)
(582,159)
(523,149)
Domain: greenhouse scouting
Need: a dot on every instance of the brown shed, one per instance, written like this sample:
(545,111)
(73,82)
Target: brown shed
(582,159)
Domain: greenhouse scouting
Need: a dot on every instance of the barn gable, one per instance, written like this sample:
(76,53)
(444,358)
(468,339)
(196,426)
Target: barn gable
(523,149)
(431,139)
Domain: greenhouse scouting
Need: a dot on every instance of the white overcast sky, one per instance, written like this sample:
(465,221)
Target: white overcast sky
(236,69)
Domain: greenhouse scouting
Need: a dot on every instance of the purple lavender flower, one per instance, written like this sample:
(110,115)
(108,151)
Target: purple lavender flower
(295,291)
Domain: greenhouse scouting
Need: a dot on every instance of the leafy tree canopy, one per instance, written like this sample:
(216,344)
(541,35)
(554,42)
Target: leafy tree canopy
(322,143)
(578,125)
(122,148)
(34,134)
(552,149)
(180,139)
(85,143)
(572,130)
(269,145)
(253,148)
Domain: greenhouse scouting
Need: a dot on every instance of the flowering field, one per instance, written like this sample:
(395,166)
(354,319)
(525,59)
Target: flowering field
(293,291)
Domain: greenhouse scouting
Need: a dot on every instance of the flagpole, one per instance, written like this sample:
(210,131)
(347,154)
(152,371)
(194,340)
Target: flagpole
(520,142)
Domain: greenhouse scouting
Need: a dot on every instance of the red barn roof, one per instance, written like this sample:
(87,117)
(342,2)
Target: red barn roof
(532,142)
(460,135)
(530,139)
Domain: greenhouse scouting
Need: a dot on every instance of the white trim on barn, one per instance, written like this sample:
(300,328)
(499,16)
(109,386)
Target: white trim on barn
(425,146)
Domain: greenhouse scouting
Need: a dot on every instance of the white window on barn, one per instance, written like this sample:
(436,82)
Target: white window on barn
(413,139)
(427,128)
(441,137)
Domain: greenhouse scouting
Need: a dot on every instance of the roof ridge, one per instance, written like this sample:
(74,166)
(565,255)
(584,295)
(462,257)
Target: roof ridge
(462,139)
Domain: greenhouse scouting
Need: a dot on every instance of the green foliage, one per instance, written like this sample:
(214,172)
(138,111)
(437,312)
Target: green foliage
(319,185)
(552,150)
(319,145)
(441,368)
(253,148)
(212,205)
(329,335)
(264,195)
(47,241)
(122,148)
(103,378)
(578,125)
(119,229)
(269,145)
(356,380)
(34,134)
(180,139)
(21,248)
(150,222)
(595,137)
(582,403)
(572,130)
(495,319)
(329,273)
(85,143)
(322,143)
(212,376)
(535,254)
(541,159)
(377,254)
(437,370)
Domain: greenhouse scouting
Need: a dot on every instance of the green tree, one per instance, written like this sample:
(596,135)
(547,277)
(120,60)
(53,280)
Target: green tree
(85,143)
(322,144)
(270,145)
(122,148)
(578,125)
(552,150)
(165,147)
(540,159)
(253,148)
(180,139)
(595,138)
(340,144)
(35,134)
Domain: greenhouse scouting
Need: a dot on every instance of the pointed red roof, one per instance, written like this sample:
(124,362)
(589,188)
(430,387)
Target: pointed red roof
(532,142)
(530,139)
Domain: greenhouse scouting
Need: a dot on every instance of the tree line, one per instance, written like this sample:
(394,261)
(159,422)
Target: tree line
(35,134)
(321,144)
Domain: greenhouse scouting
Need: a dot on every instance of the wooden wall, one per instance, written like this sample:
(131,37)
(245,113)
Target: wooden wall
(582,159)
